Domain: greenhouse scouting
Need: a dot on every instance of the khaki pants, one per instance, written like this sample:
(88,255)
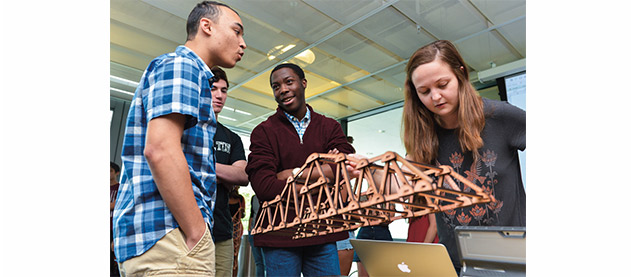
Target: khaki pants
(170,257)
(224,256)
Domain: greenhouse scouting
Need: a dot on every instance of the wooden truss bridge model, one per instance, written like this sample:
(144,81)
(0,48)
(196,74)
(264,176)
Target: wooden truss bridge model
(388,188)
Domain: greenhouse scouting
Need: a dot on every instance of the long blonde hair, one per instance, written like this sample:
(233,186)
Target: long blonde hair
(419,123)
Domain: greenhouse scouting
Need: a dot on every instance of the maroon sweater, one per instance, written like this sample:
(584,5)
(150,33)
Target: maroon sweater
(275,146)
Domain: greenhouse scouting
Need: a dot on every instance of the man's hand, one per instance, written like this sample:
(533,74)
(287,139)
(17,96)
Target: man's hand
(169,170)
(195,236)
(328,171)
(285,174)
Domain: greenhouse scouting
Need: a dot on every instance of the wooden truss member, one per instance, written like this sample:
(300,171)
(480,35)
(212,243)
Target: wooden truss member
(388,188)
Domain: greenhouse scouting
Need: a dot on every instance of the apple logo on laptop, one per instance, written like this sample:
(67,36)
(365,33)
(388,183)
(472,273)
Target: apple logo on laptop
(403,267)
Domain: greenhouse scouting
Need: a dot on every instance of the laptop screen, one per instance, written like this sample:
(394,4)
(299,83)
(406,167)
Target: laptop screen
(492,244)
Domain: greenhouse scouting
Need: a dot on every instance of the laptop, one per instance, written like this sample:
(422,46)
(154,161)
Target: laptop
(393,258)
(491,250)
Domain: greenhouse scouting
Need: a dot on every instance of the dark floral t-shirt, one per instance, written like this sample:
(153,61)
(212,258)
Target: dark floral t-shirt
(497,172)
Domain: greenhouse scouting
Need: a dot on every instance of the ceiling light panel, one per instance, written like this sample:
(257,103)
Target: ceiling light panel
(462,22)
(284,50)
(264,37)
(253,108)
(317,84)
(449,20)
(180,8)
(140,41)
(121,94)
(254,60)
(354,99)
(493,50)
(500,11)
(311,26)
(237,75)
(515,33)
(251,124)
(122,87)
(125,72)
(346,11)
(221,116)
(334,68)
(381,90)
(254,97)
(358,51)
(131,58)
(123,81)
(330,108)
(152,19)
(399,35)
(304,58)
(261,84)
(396,75)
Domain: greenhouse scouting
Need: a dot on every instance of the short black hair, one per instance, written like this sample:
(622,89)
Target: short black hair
(205,9)
(294,67)
(114,166)
(219,74)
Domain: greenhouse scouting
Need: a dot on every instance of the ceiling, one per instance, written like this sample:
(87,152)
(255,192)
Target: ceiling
(353,52)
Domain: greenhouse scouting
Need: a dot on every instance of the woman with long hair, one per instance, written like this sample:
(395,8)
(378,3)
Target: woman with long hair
(446,122)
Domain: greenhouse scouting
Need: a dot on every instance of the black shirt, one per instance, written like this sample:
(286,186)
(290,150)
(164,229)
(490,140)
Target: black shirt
(228,149)
(497,172)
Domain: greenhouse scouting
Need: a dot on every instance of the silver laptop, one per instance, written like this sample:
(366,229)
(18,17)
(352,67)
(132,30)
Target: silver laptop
(491,251)
(391,258)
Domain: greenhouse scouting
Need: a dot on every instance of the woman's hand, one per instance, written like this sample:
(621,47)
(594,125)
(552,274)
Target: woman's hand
(351,165)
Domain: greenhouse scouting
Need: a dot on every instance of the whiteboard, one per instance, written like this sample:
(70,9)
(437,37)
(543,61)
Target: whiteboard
(516,95)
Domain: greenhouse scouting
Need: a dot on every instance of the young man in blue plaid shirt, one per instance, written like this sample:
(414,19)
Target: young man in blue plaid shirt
(163,213)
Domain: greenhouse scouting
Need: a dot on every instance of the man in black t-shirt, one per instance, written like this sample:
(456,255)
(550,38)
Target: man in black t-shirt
(230,168)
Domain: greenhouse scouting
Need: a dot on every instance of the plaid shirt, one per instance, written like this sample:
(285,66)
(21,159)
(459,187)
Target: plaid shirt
(176,82)
(300,125)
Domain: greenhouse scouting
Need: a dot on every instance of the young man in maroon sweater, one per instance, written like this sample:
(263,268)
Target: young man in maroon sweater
(278,145)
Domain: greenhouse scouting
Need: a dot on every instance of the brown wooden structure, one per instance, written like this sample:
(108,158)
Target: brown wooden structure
(388,188)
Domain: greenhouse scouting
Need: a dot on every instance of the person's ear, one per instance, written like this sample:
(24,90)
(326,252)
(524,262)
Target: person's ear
(206,26)
(304,83)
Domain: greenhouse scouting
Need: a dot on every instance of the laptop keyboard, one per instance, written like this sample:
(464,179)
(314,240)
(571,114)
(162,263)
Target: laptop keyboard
(478,271)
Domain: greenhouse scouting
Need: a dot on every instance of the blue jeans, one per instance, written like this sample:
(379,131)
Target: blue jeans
(377,232)
(259,261)
(345,244)
(315,260)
